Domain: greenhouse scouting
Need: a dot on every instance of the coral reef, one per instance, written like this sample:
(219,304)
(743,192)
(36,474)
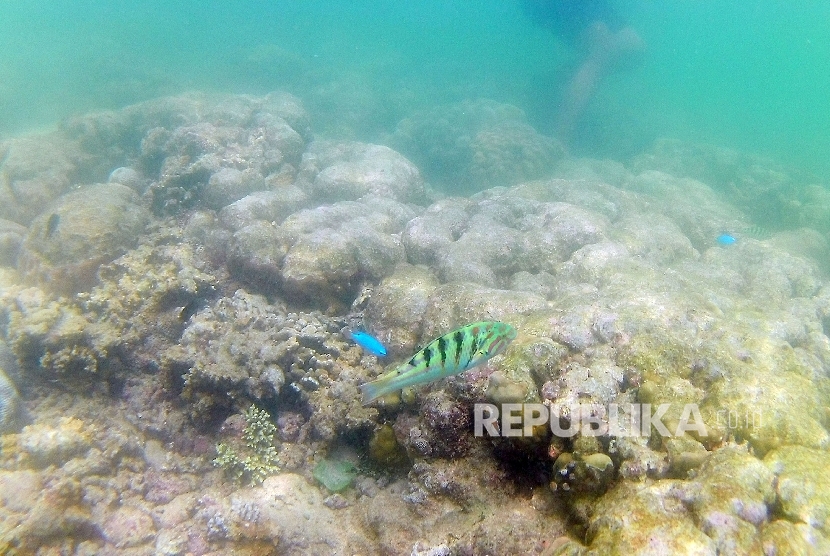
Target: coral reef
(442,429)
(346,171)
(216,257)
(475,145)
(397,306)
(321,255)
(78,232)
(268,206)
(243,348)
(63,478)
(278,513)
(336,248)
(141,297)
(768,192)
(522,235)
(48,336)
(217,163)
(661,523)
(34,170)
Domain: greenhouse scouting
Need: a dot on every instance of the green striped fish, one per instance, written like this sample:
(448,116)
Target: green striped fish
(756,232)
(452,353)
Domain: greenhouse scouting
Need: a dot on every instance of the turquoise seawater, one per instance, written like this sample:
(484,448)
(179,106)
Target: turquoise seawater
(751,75)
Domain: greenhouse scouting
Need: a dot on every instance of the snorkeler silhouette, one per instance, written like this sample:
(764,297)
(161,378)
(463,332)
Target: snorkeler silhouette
(594,27)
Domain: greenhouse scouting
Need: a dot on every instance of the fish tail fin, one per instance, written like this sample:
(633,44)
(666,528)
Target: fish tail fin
(372,390)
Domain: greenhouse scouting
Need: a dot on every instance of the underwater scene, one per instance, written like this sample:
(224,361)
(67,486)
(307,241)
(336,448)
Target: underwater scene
(434,278)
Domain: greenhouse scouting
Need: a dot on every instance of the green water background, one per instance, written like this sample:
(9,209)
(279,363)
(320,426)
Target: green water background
(749,75)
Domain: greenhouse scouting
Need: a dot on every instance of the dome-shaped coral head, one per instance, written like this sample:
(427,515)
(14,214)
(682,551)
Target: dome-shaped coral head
(450,354)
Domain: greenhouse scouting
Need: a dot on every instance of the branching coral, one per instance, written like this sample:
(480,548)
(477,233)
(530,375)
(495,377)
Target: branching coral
(261,459)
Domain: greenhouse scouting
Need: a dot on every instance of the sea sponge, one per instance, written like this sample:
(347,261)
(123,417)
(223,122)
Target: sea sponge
(385,450)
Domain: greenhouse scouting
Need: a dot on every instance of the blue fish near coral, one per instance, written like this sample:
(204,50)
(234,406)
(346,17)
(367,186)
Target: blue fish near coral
(452,353)
(726,239)
(368,343)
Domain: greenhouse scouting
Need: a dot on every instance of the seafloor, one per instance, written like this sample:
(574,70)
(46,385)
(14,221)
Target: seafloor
(175,282)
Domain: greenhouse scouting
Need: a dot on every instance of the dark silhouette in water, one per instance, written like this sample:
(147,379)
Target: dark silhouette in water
(52,225)
(597,29)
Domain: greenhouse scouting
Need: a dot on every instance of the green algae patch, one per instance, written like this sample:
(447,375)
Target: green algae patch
(768,408)
(803,485)
(684,454)
(640,518)
(718,511)
(657,358)
(784,537)
(679,393)
(730,499)
(763,393)
(335,475)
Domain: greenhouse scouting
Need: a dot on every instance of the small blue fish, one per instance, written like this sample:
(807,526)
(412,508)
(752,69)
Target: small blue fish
(726,239)
(368,343)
